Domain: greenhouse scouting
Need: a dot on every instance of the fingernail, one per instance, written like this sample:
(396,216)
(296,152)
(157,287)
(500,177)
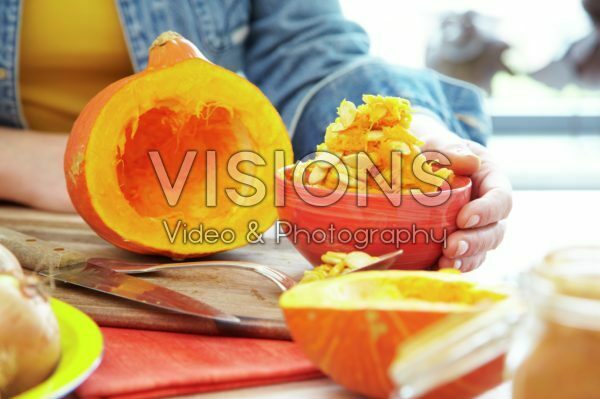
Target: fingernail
(457,264)
(473,220)
(462,248)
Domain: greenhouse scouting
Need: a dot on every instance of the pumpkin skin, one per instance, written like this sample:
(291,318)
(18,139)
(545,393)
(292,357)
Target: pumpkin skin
(355,340)
(180,103)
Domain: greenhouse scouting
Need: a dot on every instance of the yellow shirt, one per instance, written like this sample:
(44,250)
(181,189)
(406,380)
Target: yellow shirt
(70,50)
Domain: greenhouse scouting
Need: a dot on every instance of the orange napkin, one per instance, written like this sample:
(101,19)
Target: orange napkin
(151,364)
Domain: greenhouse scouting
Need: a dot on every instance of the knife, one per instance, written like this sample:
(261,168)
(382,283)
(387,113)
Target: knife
(72,267)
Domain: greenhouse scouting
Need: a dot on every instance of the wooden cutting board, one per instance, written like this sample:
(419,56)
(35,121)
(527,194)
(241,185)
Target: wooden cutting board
(234,291)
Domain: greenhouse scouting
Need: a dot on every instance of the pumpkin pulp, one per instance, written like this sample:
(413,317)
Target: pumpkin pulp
(174,133)
(392,290)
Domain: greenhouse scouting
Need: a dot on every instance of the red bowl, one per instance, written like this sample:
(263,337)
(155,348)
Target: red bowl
(419,224)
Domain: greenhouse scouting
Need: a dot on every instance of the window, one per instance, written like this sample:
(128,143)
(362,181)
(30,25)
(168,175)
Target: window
(539,129)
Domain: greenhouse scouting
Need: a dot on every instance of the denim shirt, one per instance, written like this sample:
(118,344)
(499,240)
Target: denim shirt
(304,55)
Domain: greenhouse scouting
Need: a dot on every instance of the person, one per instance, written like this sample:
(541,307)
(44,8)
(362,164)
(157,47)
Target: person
(304,55)
(466,49)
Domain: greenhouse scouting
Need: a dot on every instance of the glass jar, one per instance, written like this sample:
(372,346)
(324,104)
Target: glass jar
(556,351)
(546,340)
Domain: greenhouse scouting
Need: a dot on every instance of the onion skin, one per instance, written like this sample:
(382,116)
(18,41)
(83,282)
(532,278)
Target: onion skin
(9,263)
(29,335)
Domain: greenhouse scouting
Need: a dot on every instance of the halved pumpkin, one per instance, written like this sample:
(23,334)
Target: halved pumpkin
(351,326)
(180,104)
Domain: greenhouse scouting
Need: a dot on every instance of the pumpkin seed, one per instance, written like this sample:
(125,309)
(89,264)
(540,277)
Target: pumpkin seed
(317,174)
(375,135)
(357,259)
(337,269)
(326,160)
(299,169)
(332,258)
(350,159)
(363,161)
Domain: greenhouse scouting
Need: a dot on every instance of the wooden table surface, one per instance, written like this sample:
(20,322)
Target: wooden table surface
(540,221)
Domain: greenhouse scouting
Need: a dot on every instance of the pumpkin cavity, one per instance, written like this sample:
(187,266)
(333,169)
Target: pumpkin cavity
(173,131)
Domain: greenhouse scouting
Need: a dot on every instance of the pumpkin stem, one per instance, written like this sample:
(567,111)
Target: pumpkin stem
(165,37)
(170,48)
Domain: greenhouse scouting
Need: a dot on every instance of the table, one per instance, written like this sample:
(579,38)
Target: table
(540,221)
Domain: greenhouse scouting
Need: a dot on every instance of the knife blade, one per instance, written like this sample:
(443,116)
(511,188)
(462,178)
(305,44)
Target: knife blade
(103,279)
(72,267)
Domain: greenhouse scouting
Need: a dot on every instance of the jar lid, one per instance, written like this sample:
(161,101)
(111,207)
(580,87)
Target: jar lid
(572,254)
(565,287)
(573,271)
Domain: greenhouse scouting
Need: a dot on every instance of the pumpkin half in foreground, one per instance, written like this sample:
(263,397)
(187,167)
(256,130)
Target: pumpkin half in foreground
(180,105)
(351,326)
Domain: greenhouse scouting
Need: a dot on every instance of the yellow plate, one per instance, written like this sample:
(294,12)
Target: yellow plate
(81,343)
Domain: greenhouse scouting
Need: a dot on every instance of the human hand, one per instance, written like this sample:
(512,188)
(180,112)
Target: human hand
(481,222)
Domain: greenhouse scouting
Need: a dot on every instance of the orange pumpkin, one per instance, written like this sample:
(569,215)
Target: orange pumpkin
(181,104)
(351,326)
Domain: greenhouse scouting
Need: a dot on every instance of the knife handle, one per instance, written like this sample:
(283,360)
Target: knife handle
(36,255)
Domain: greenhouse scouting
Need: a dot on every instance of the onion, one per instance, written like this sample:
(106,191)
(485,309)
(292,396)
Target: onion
(9,263)
(29,334)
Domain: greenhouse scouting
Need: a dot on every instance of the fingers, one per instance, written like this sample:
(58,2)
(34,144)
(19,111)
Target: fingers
(467,249)
(479,221)
(493,196)
(492,207)
(436,136)
(465,264)
(471,242)
(463,161)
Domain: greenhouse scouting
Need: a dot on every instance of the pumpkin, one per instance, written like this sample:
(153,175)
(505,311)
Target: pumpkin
(176,114)
(351,326)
